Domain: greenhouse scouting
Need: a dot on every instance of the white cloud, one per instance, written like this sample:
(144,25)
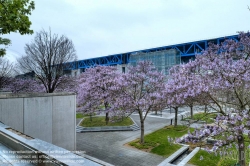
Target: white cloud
(104,27)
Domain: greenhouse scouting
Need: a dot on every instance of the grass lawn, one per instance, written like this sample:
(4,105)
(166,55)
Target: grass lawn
(98,121)
(157,142)
(210,159)
(79,115)
(207,117)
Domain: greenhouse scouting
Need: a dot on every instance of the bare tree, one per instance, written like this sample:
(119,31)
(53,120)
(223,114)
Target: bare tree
(6,71)
(45,56)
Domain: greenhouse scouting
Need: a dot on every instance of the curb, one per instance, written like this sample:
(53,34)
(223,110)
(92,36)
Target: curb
(133,127)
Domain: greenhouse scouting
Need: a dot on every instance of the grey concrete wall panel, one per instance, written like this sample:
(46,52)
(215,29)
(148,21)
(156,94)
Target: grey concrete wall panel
(11,113)
(49,117)
(64,130)
(38,118)
(1,112)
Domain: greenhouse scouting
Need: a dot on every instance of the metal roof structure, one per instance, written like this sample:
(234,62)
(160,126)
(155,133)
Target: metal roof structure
(185,49)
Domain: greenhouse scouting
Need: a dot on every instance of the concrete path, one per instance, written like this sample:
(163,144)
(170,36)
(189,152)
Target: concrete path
(108,146)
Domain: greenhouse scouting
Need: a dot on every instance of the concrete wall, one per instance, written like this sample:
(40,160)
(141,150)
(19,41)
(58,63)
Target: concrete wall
(123,68)
(49,117)
(11,112)
(73,73)
(77,72)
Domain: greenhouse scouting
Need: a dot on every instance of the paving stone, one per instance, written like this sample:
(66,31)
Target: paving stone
(108,146)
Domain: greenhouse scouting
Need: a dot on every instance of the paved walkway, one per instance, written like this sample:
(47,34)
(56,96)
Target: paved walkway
(108,146)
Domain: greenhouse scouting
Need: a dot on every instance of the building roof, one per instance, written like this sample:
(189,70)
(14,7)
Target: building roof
(185,49)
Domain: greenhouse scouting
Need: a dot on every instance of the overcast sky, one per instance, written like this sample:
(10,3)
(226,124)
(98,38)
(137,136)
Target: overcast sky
(105,27)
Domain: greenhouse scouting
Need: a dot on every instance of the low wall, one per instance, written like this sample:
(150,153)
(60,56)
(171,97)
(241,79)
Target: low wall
(49,117)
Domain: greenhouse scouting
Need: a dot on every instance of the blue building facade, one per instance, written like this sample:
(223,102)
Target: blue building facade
(162,57)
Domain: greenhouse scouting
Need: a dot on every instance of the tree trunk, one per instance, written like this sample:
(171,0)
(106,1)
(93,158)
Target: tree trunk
(90,117)
(205,111)
(107,114)
(142,132)
(241,151)
(175,116)
(107,118)
(156,112)
(191,111)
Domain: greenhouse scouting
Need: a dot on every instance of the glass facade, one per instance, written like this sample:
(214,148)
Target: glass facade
(163,60)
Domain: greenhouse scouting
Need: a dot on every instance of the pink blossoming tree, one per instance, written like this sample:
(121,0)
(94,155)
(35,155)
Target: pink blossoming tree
(95,90)
(19,85)
(222,72)
(142,90)
(29,85)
